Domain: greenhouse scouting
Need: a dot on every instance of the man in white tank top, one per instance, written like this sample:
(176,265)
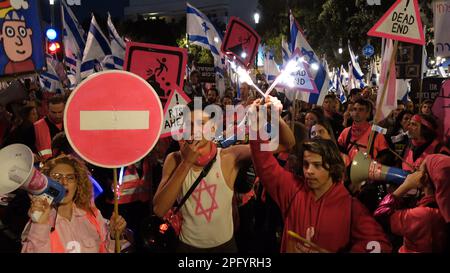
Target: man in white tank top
(207,214)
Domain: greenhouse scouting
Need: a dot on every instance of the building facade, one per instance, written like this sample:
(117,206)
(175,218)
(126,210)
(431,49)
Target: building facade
(174,10)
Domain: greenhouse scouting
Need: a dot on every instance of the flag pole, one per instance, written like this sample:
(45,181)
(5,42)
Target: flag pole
(421,73)
(383,94)
(293,115)
(116,211)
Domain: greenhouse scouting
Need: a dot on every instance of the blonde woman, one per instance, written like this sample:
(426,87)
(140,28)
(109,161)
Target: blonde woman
(75,225)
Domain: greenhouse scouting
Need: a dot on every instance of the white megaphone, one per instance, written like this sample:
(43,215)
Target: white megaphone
(17,171)
(364,168)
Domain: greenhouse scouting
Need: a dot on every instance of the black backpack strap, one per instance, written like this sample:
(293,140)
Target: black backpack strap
(204,173)
(345,149)
(353,143)
(373,145)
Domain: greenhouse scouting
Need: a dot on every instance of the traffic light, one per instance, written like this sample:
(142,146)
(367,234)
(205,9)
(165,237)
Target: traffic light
(51,34)
(53,46)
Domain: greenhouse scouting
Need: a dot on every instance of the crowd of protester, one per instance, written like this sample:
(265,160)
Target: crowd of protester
(259,197)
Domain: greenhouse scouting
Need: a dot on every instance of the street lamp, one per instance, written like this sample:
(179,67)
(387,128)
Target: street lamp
(52,2)
(256,17)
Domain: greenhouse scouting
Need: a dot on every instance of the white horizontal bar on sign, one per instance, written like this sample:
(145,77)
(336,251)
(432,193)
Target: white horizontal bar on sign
(114,120)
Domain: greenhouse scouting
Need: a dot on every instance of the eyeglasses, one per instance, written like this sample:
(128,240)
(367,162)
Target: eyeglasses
(71,177)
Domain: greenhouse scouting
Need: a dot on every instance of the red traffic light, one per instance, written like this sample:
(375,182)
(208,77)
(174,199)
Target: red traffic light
(53,47)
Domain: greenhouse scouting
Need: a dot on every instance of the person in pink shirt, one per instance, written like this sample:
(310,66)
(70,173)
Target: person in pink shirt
(423,227)
(75,225)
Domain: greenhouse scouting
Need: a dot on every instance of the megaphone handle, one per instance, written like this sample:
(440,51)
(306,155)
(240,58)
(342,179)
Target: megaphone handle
(36,215)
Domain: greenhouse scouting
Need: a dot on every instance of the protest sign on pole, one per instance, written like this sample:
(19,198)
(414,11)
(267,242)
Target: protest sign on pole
(241,42)
(173,113)
(163,67)
(401,23)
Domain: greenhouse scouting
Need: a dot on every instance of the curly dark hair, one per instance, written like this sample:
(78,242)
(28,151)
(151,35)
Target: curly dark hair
(398,120)
(331,157)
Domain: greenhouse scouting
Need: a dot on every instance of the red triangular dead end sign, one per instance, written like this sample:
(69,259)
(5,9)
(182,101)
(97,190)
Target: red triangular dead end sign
(401,22)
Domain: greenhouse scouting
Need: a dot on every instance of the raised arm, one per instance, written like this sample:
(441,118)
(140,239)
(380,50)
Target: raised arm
(279,183)
(176,167)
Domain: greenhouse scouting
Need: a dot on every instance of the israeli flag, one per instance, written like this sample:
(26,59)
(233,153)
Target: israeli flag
(74,44)
(356,74)
(374,74)
(320,75)
(356,69)
(49,80)
(97,48)
(354,82)
(344,76)
(330,74)
(403,87)
(285,53)
(202,32)
(115,60)
(339,87)
(270,67)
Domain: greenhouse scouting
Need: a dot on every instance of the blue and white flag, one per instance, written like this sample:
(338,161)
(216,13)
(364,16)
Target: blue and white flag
(330,74)
(320,76)
(270,67)
(344,77)
(356,74)
(403,87)
(49,79)
(97,48)
(374,74)
(356,69)
(118,46)
(285,53)
(74,44)
(202,32)
(354,82)
(340,92)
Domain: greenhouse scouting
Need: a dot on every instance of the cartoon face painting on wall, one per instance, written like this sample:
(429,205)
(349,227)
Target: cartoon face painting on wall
(21,46)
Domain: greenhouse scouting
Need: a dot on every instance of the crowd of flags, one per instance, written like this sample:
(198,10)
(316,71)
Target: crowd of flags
(84,53)
(87,53)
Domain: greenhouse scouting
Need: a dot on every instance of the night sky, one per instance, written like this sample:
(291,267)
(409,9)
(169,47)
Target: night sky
(100,7)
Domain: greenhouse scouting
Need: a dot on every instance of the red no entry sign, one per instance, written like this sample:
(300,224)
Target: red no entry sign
(113,119)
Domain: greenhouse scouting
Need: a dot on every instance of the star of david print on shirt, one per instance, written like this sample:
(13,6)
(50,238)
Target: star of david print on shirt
(205,198)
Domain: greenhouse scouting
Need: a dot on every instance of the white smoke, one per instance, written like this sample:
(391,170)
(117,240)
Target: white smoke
(19,4)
